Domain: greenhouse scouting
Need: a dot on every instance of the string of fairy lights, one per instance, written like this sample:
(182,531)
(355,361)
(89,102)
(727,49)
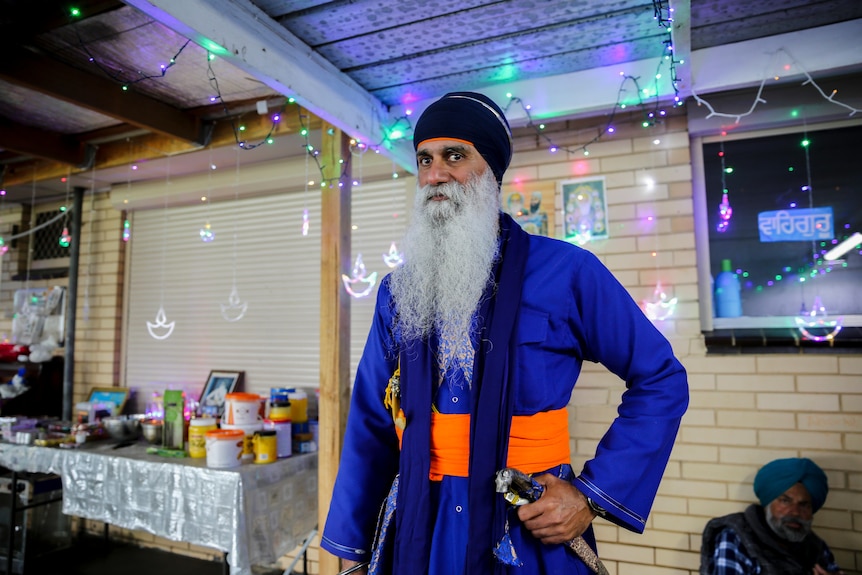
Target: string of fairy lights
(649,102)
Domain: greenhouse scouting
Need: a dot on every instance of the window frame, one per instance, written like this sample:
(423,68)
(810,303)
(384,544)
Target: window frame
(764,328)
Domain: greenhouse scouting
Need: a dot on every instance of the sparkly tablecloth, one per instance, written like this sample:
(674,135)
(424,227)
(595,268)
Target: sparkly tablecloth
(256,513)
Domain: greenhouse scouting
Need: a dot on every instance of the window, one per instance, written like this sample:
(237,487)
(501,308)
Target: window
(46,240)
(792,196)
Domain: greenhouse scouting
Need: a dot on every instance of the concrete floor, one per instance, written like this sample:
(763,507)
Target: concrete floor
(95,556)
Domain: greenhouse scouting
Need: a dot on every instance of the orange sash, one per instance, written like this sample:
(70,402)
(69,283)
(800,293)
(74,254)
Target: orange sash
(536,442)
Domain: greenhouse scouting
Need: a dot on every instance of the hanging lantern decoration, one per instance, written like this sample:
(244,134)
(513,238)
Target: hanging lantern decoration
(65,238)
(359,283)
(235,308)
(207,233)
(394,258)
(660,308)
(161,328)
(816,325)
(305,223)
(725,210)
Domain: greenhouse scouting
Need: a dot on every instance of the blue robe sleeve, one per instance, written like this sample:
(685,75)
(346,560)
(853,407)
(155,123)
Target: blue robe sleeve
(625,473)
(369,458)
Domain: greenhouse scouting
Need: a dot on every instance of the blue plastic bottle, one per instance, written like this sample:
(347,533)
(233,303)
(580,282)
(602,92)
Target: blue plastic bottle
(727,292)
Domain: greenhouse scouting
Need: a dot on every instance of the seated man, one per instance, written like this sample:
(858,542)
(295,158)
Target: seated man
(775,537)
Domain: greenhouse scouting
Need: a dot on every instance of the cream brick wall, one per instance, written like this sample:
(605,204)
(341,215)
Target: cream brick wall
(745,410)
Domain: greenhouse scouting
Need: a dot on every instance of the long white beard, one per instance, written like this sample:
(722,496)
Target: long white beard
(449,251)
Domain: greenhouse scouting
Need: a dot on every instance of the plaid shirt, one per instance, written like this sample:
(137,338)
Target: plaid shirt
(730,558)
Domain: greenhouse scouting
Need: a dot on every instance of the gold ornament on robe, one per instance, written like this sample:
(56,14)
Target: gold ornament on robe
(392,399)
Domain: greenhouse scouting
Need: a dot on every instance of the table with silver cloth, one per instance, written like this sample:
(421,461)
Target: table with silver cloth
(255,513)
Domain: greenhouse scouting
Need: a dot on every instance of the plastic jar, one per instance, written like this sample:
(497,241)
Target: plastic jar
(265,446)
(298,405)
(279,410)
(284,447)
(197,435)
(248,431)
(242,408)
(224,448)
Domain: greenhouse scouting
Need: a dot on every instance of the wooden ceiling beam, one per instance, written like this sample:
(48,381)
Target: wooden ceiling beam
(43,144)
(143,147)
(101,95)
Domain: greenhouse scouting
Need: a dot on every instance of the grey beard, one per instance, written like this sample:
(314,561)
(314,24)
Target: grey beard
(779,527)
(449,251)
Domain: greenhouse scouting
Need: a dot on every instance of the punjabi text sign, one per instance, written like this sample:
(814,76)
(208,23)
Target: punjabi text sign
(798,225)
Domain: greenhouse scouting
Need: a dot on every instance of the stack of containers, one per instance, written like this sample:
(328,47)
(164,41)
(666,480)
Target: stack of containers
(302,437)
(279,420)
(244,411)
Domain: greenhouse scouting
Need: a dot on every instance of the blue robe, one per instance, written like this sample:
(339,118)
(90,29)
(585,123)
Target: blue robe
(572,309)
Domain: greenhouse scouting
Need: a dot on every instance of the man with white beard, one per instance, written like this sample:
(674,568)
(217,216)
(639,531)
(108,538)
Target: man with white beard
(775,537)
(475,347)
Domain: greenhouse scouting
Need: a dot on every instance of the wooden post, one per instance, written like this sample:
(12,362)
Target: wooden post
(334,320)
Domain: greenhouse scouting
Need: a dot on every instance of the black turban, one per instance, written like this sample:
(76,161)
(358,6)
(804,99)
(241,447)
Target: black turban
(778,476)
(473,118)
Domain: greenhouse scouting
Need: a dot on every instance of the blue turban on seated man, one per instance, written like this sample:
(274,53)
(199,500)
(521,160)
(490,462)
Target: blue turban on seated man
(778,476)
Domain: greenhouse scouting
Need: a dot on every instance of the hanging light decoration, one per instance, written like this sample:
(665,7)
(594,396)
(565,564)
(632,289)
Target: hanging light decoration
(660,308)
(162,328)
(207,234)
(394,258)
(725,210)
(3,246)
(816,325)
(65,238)
(359,283)
(235,308)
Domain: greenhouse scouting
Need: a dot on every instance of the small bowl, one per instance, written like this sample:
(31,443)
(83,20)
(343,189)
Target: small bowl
(123,427)
(152,429)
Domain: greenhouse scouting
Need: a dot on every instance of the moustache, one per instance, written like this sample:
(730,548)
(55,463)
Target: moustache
(450,191)
(787,519)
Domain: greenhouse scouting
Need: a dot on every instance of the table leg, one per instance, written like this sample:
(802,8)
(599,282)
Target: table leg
(13,489)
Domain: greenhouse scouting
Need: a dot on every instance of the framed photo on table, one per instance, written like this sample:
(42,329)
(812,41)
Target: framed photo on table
(218,385)
(115,395)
